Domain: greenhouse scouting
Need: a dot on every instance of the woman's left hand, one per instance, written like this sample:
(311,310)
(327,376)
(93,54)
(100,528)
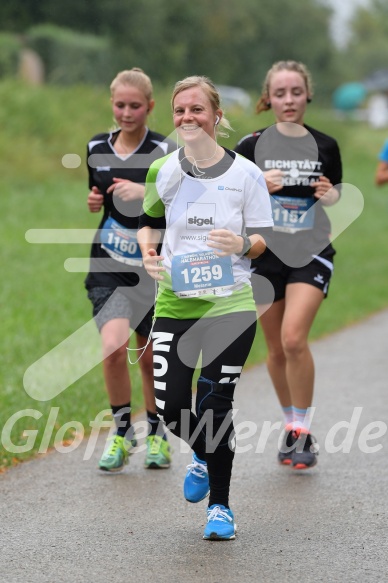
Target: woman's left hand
(325,191)
(126,189)
(224,242)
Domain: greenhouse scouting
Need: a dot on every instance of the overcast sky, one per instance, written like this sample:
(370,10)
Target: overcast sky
(343,12)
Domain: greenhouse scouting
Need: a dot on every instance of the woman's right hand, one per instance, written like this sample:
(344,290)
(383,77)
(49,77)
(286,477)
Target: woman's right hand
(274,180)
(95,200)
(150,262)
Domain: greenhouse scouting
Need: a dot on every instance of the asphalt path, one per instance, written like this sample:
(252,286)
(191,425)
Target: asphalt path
(61,520)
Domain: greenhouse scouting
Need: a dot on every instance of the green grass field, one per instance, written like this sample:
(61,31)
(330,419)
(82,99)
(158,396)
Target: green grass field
(43,304)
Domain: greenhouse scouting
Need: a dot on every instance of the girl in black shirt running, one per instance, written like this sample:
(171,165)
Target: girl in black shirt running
(302,169)
(118,286)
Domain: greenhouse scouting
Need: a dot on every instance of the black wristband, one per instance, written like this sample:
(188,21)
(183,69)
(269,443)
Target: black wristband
(246,246)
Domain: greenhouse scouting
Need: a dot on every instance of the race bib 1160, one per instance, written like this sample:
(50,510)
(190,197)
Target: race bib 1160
(120,243)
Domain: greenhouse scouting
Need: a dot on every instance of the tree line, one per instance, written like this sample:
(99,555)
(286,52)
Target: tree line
(232,42)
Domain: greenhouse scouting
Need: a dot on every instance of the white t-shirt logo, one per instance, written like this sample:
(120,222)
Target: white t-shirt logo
(200,216)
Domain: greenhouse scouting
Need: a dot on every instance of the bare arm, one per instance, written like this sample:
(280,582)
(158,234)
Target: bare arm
(224,243)
(381,176)
(325,191)
(274,180)
(95,200)
(126,189)
(258,247)
(148,240)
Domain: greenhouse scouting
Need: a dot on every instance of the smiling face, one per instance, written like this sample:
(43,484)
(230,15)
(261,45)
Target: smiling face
(288,96)
(193,114)
(130,108)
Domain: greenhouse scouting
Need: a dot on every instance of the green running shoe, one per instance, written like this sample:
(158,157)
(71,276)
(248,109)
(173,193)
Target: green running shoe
(115,456)
(158,453)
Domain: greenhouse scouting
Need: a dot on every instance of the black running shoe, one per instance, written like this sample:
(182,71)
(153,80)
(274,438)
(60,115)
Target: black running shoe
(287,446)
(304,454)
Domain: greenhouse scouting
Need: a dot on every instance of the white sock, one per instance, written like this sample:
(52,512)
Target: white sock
(288,413)
(302,418)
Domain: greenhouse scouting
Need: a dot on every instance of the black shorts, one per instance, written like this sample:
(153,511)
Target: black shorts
(111,303)
(317,273)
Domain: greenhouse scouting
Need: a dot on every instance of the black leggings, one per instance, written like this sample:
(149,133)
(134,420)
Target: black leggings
(223,342)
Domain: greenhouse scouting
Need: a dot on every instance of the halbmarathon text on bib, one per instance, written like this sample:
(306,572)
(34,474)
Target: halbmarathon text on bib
(201,273)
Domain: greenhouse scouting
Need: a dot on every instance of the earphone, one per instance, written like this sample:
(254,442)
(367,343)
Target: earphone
(217,120)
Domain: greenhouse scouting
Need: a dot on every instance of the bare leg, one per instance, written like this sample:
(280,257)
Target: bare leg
(302,304)
(286,327)
(271,322)
(114,335)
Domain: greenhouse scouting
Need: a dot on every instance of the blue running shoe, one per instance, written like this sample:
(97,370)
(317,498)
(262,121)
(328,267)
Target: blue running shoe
(220,523)
(196,484)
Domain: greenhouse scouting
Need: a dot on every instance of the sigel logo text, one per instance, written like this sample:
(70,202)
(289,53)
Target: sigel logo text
(198,221)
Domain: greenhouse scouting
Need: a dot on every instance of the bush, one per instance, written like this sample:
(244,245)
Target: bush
(10,47)
(70,57)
